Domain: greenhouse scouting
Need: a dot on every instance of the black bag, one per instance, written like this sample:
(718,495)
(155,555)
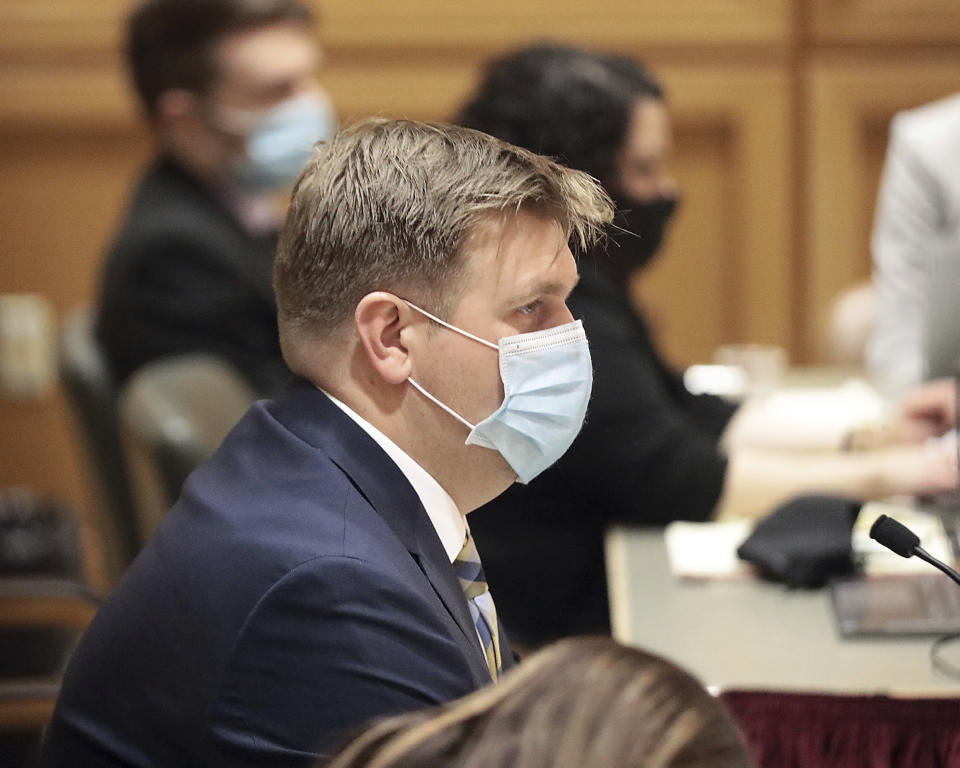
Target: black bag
(804,542)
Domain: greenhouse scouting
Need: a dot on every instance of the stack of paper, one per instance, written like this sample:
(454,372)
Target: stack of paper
(707,550)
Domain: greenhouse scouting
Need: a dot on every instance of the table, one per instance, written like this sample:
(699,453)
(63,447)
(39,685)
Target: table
(749,634)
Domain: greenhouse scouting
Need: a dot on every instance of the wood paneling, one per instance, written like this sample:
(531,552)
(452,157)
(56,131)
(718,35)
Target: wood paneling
(61,30)
(851,102)
(76,100)
(416,89)
(725,274)
(503,24)
(886,21)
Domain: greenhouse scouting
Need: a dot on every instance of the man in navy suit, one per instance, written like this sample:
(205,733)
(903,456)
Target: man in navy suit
(310,577)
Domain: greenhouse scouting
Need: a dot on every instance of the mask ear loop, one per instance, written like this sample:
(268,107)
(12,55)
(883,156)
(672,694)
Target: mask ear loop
(445,407)
(462,332)
(454,328)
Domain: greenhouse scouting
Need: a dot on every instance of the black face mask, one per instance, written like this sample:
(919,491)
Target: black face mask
(637,231)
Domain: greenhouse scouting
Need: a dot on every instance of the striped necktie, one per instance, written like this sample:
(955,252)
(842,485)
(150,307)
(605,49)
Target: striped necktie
(473,582)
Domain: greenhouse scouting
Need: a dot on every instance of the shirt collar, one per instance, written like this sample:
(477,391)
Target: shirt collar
(450,525)
(256,214)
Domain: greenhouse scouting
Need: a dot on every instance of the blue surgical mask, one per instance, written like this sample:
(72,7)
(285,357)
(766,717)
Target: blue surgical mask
(547,379)
(280,140)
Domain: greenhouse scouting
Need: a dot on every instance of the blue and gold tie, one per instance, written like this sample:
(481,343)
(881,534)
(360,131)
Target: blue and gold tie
(473,582)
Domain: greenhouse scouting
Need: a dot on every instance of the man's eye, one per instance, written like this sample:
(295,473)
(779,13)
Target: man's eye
(529,309)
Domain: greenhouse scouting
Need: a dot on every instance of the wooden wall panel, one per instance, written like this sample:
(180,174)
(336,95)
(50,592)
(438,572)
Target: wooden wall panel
(886,21)
(80,29)
(75,100)
(62,191)
(415,89)
(503,24)
(725,274)
(687,292)
(61,30)
(851,102)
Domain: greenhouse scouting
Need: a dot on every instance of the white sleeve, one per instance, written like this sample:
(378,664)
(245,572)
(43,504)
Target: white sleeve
(906,230)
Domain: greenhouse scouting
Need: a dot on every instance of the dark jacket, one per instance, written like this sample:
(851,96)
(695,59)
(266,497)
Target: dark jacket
(182,276)
(647,455)
(297,589)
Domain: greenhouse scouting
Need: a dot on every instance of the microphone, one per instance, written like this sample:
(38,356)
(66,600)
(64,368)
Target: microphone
(896,537)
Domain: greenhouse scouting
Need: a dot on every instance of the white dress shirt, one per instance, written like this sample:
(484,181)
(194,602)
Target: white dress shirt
(450,525)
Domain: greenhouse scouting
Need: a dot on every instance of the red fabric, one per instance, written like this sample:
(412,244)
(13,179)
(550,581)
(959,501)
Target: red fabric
(792,730)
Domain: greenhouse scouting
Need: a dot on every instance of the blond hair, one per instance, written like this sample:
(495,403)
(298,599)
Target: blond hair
(579,702)
(389,205)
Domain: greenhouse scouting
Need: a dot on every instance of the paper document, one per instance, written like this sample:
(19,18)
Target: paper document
(707,550)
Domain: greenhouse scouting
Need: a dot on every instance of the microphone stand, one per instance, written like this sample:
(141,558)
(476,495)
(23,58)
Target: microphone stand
(939,565)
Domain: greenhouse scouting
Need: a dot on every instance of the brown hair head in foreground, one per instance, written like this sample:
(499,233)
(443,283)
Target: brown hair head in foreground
(578,703)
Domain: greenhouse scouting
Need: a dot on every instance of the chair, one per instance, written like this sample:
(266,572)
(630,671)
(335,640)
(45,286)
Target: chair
(40,621)
(41,618)
(92,395)
(174,413)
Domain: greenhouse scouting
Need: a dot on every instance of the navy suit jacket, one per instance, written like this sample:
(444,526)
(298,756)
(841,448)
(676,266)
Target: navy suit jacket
(296,590)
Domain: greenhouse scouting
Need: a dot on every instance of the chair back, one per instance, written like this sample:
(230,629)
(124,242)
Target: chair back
(174,413)
(92,395)
(41,619)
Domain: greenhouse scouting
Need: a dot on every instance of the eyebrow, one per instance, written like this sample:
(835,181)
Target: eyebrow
(548,287)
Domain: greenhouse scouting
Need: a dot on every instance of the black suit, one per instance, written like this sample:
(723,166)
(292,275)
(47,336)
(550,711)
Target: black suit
(184,276)
(297,589)
(647,454)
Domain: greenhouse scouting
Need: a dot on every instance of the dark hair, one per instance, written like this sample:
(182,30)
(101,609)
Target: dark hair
(388,204)
(579,702)
(170,43)
(561,102)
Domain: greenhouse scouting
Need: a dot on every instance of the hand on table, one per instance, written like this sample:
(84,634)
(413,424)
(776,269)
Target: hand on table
(926,410)
(920,469)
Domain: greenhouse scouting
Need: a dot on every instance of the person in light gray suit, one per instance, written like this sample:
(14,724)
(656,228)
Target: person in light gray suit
(917,224)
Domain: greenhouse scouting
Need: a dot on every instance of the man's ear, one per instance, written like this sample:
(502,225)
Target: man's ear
(380,318)
(177,106)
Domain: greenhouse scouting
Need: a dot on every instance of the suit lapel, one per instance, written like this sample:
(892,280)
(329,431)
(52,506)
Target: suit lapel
(506,650)
(311,415)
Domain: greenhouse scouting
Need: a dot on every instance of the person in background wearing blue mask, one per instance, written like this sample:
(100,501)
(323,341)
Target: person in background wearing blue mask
(318,570)
(229,90)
